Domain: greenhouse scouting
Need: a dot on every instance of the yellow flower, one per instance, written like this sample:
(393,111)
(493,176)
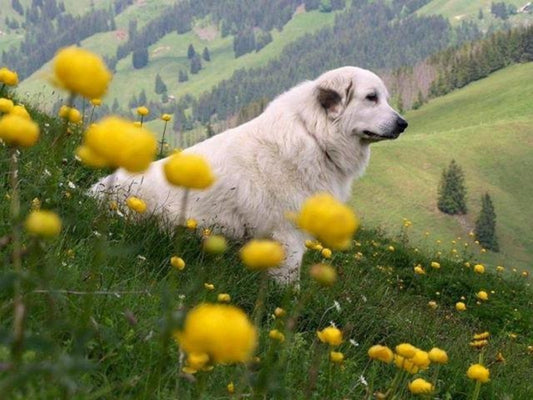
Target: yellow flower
(137,124)
(188,170)
(166,117)
(231,388)
(406,350)
(381,353)
(432,304)
(419,270)
(420,386)
(478,372)
(215,244)
(336,357)
(435,265)
(274,334)
(36,204)
(143,111)
(8,77)
(499,268)
(82,72)
(279,312)
(406,364)
(324,274)
(96,102)
(74,116)
(6,105)
(460,306)
(438,356)
(479,269)
(209,286)
(390,248)
(500,357)
(262,254)
(330,221)
(197,361)
(20,111)
(482,295)
(223,298)
(43,223)
(191,223)
(115,142)
(326,253)
(421,359)
(136,204)
(177,262)
(18,131)
(478,344)
(221,331)
(330,335)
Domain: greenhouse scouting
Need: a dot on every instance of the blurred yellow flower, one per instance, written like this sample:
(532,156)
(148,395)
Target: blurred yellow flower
(419,270)
(421,359)
(188,170)
(390,248)
(221,331)
(381,353)
(82,72)
(18,131)
(330,335)
(406,350)
(74,116)
(336,357)
(8,77)
(420,386)
(406,364)
(177,262)
(191,224)
(279,312)
(479,343)
(166,117)
(482,335)
(326,253)
(432,304)
(479,269)
(43,223)
(143,111)
(275,334)
(435,265)
(115,142)
(197,361)
(231,388)
(460,306)
(478,372)
(499,268)
(215,244)
(482,295)
(223,298)
(96,102)
(6,105)
(262,254)
(20,111)
(330,221)
(209,286)
(438,356)
(324,274)
(136,204)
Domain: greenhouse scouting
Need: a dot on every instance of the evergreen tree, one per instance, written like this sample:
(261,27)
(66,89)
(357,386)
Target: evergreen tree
(160,86)
(142,98)
(196,64)
(209,130)
(452,191)
(140,58)
(17,6)
(183,77)
(191,52)
(205,55)
(419,101)
(485,229)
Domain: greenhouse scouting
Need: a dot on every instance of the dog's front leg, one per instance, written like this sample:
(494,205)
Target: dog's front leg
(293,244)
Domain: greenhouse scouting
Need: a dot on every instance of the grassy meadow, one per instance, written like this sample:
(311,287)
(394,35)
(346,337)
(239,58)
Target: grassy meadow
(91,312)
(487,128)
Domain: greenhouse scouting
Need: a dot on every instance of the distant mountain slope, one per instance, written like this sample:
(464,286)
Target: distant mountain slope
(462,9)
(487,127)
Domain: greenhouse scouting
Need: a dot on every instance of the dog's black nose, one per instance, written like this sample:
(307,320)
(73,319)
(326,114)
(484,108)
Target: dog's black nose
(401,125)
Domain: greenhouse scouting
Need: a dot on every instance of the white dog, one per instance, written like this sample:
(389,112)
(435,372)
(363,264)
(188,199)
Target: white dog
(312,138)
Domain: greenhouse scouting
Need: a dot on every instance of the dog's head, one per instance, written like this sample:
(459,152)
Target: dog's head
(356,100)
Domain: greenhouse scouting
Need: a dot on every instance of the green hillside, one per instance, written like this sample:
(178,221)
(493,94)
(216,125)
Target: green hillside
(169,55)
(487,127)
(457,10)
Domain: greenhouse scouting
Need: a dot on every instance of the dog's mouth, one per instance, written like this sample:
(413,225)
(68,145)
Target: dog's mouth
(374,137)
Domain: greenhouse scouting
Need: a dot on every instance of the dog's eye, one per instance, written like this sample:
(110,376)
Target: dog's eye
(372,97)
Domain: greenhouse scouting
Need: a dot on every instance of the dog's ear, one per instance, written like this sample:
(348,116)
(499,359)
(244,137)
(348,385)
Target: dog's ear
(333,101)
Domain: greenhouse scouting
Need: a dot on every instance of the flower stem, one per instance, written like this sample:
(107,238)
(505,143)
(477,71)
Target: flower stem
(163,140)
(91,116)
(142,119)
(477,390)
(19,308)
(59,138)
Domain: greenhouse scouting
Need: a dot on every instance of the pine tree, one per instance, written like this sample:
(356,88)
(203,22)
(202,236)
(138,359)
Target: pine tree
(191,52)
(485,229)
(196,64)
(183,77)
(160,86)
(205,55)
(142,98)
(140,58)
(452,191)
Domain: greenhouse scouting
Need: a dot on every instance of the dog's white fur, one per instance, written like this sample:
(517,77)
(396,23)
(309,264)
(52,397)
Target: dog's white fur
(306,141)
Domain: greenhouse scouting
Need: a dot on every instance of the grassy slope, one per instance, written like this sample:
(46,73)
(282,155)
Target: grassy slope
(121,336)
(456,10)
(488,128)
(169,55)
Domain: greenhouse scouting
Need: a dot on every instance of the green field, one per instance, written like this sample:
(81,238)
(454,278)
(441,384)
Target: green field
(487,127)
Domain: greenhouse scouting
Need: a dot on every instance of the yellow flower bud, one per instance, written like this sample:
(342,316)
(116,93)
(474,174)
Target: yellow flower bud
(435,265)
(479,269)
(166,117)
(20,111)
(209,286)
(43,223)
(262,254)
(177,262)
(18,131)
(406,350)
(438,356)
(275,334)
(191,224)
(381,353)
(8,77)
(482,295)
(279,312)
(478,372)
(6,105)
(326,253)
(420,386)
(144,111)
(330,335)
(223,298)
(136,204)
(460,306)
(323,274)
(215,244)
(188,170)
(336,357)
